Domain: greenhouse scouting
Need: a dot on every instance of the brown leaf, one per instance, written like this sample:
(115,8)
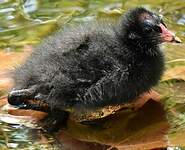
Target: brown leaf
(177,73)
(3,101)
(128,129)
(6,81)
(9,60)
(108,110)
(35,115)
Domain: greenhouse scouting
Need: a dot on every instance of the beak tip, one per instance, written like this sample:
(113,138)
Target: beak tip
(177,39)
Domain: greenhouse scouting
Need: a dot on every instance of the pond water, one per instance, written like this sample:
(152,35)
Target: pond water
(26,22)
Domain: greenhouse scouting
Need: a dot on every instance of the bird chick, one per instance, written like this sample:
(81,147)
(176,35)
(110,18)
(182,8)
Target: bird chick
(96,64)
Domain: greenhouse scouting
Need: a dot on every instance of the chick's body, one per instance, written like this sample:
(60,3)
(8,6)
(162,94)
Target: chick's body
(93,65)
(90,67)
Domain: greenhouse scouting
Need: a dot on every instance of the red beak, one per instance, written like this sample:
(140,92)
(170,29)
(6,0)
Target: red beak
(168,36)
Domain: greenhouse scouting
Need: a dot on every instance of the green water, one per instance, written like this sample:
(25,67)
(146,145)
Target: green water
(26,22)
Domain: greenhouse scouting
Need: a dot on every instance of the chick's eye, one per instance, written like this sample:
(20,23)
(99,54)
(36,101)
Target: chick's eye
(158,29)
(148,29)
(148,26)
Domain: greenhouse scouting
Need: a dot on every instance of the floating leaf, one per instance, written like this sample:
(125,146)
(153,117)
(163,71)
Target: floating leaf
(177,73)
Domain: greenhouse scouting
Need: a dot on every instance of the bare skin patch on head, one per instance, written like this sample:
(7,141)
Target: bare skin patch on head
(144,16)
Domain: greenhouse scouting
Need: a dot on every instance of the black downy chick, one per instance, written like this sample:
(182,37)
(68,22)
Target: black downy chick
(95,65)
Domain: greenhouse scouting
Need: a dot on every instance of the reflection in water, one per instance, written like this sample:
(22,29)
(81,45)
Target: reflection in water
(17,136)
